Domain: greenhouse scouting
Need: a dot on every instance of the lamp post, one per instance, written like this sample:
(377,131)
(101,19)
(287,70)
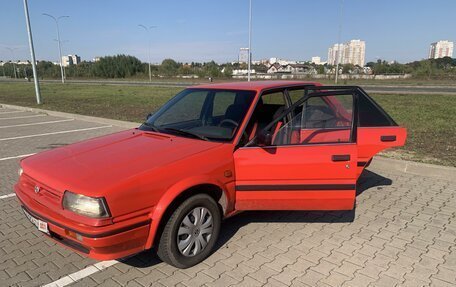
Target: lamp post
(56,20)
(14,63)
(148,46)
(339,50)
(32,54)
(250,41)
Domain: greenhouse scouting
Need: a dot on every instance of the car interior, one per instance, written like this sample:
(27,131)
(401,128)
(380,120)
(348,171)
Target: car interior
(317,120)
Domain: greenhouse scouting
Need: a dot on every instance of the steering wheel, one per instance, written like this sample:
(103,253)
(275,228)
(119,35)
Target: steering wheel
(228,121)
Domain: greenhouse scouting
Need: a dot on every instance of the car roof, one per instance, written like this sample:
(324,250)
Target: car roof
(254,85)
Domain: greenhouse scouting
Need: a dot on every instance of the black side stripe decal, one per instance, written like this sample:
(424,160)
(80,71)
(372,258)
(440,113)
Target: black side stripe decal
(291,187)
(362,163)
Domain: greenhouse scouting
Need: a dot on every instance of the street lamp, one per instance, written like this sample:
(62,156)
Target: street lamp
(148,46)
(250,40)
(339,50)
(56,19)
(14,63)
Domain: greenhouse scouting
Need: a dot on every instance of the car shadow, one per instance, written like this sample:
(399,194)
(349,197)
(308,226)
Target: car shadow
(231,226)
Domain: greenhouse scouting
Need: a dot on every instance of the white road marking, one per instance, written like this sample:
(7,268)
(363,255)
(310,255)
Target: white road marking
(73,277)
(39,123)
(17,156)
(24,117)
(55,133)
(11,112)
(7,195)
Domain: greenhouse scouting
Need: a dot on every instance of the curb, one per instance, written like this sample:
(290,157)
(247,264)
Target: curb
(123,124)
(416,168)
(383,163)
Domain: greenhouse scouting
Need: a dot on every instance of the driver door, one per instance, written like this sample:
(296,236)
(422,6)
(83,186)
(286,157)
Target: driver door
(311,163)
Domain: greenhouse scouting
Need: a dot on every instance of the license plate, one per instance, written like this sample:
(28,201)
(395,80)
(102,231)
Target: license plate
(41,225)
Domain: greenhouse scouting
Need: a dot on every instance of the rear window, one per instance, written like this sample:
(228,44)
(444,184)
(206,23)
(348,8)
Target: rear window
(371,115)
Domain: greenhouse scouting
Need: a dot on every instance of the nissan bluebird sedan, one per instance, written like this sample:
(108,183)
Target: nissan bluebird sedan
(211,151)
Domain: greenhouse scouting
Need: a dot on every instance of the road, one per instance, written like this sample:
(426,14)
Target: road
(380,88)
(402,232)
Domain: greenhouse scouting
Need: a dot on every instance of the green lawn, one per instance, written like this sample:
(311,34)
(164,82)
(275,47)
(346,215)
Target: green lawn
(129,103)
(430,119)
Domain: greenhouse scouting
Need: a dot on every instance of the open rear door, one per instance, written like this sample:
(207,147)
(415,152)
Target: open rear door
(377,131)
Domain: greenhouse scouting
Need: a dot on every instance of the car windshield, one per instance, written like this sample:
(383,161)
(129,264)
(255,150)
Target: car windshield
(205,114)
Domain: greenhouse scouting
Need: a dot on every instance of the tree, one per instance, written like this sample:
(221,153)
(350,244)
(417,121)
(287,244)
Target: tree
(228,72)
(119,66)
(169,67)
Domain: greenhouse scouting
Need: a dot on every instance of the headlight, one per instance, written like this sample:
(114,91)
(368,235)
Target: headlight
(94,207)
(20,171)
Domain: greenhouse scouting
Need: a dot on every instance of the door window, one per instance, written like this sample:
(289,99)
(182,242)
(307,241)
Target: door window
(322,119)
(268,108)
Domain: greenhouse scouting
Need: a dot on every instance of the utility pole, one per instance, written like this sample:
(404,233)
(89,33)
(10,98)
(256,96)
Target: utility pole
(32,54)
(148,47)
(250,40)
(339,39)
(56,19)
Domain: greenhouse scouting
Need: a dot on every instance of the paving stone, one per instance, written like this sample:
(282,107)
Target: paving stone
(386,281)
(263,274)
(335,279)
(199,280)
(310,278)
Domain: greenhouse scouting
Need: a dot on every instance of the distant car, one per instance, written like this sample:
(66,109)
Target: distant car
(211,151)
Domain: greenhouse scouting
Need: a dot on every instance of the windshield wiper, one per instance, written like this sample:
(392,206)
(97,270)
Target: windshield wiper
(186,133)
(152,127)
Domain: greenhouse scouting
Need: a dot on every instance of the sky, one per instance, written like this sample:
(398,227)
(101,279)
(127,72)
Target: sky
(204,30)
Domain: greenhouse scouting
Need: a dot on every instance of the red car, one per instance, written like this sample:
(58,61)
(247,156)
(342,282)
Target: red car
(211,151)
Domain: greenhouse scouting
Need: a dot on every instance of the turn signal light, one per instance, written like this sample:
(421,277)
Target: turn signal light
(73,234)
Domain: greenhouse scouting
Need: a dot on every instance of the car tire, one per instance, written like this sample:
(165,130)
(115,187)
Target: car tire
(185,240)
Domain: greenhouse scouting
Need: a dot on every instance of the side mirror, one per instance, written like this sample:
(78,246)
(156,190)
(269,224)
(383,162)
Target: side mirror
(148,116)
(264,138)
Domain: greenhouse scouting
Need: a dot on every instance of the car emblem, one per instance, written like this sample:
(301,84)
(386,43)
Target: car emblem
(37,189)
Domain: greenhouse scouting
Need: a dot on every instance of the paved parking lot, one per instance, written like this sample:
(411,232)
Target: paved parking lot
(402,233)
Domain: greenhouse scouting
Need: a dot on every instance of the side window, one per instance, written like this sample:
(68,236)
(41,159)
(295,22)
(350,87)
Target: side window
(324,119)
(222,100)
(276,98)
(295,95)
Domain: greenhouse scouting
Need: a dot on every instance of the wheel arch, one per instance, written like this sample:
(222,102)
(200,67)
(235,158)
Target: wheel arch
(178,194)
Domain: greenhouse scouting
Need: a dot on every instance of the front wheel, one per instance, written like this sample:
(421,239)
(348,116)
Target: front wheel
(191,232)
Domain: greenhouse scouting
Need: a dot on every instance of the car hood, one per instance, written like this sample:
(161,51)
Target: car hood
(93,166)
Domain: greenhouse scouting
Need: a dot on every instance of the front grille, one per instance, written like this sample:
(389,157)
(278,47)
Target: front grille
(45,196)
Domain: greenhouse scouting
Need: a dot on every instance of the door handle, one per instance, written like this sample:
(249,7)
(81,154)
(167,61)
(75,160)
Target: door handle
(388,138)
(341,157)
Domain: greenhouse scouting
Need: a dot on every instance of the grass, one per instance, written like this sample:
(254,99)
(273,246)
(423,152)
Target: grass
(430,119)
(129,103)
(431,126)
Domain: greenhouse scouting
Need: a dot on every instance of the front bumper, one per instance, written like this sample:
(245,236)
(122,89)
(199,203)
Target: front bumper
(102,243)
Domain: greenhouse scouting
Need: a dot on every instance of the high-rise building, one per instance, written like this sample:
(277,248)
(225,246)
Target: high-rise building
(76,59)
(441,49)
(352,52)
(70,60)
(335,54)
(243,55)
(66,61)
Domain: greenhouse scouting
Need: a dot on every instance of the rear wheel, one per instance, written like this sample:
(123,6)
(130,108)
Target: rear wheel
(191,232)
